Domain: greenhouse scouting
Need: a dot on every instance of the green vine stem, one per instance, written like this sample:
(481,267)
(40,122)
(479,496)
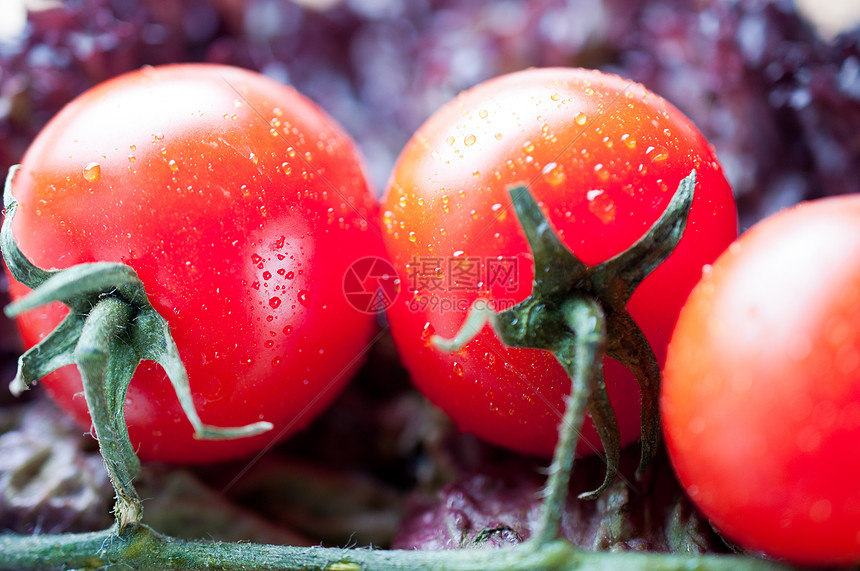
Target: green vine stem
(141,548)
(110,328)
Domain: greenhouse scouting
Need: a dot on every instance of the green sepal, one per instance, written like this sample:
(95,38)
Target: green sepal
(618,277)
(54,351)
(19,266)
(111,327)
(557,270)
(544,321)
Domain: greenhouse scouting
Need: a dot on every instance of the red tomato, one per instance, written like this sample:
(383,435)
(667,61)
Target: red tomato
(240,204)
(604,156)
(761,399)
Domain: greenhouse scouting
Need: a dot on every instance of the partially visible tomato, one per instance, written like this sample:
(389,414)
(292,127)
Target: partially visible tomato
(603,156)
(761,399)
(240,204)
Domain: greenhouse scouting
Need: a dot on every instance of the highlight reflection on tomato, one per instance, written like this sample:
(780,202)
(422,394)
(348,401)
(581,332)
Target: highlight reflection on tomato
(603,156)
(229,194)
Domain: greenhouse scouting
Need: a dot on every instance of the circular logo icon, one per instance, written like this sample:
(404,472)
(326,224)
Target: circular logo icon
(370,284)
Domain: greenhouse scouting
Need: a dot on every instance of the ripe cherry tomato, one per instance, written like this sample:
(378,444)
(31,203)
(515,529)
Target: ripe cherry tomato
(603,156)
(240,204)
(761,398)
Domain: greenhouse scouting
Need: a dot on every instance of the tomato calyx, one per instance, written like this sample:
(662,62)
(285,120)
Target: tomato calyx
(111,327)
(571,304)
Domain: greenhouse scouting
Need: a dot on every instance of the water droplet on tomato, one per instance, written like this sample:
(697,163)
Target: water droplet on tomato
(275,302)
(657,154)
(580,118)
(304,298)
(555,96)
(469,140)
(427,332)
(601,205)
(553,173)
(172,164)
(290,275)
(267,275)
(592,194)
(412,237)
(629,142)
(482,113)
(287,330)
(528,147)
(92,171)
(458,369)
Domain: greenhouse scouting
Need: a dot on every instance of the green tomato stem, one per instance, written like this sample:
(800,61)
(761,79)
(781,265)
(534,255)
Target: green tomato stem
(107,363)
(582,357)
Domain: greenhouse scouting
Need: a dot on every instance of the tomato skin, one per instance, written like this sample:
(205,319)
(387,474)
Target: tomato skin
(761,396)
(240,204)
(604,157)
